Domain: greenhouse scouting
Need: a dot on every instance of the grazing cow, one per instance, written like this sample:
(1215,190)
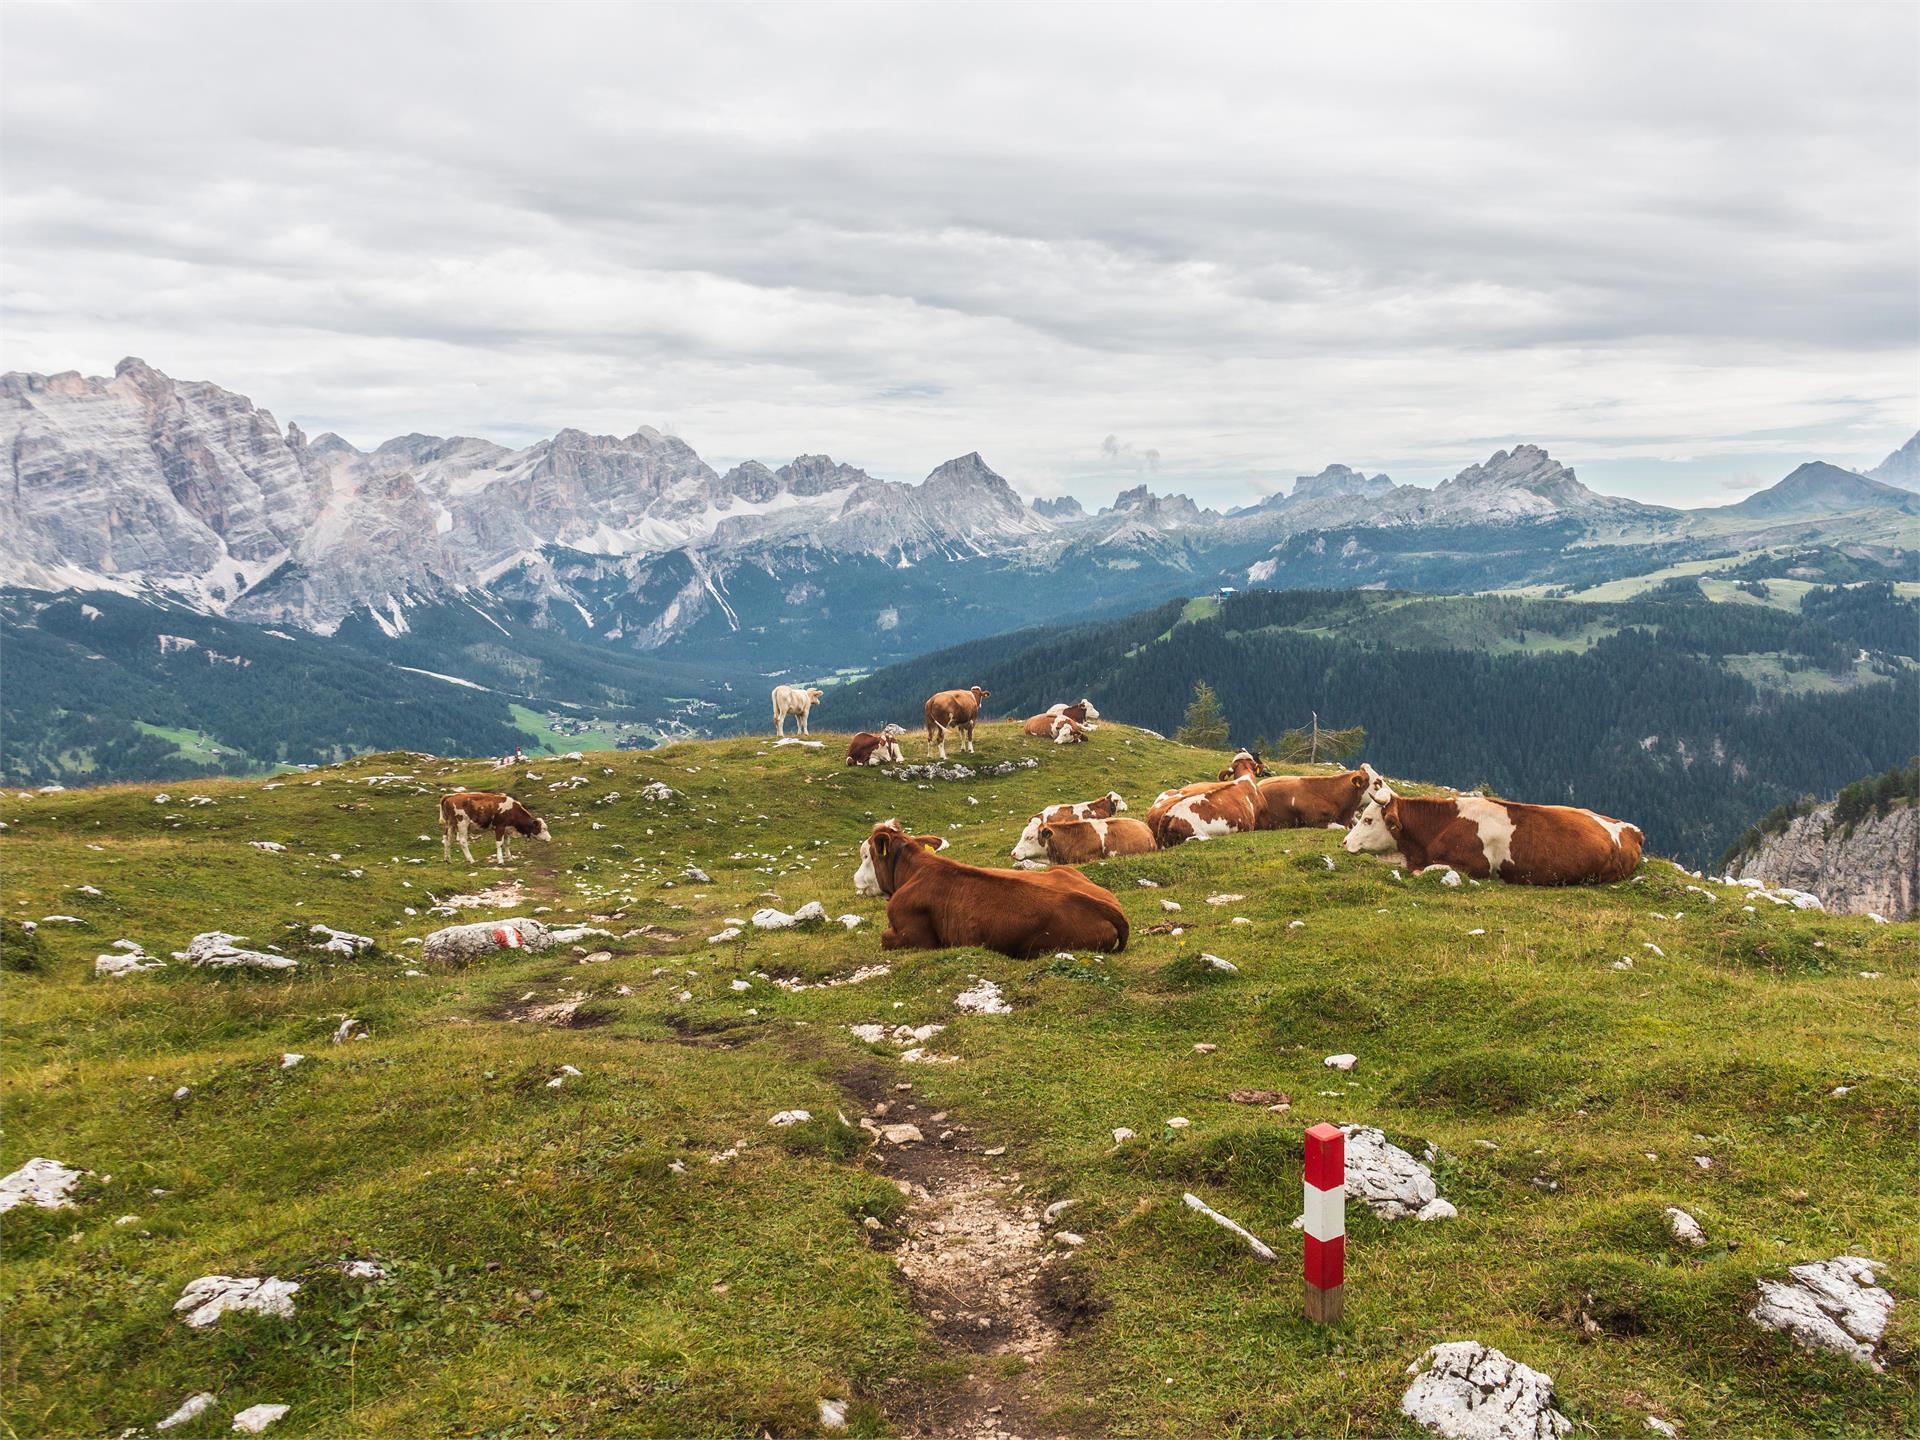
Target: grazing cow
(1081,704)
(1318,801)
(864,880)
(1202,812)
(953,710)
(795,701)
(934,903)
(1045,726)
(1028,847)
(471,811)
(1074,842)
(1522,844)
(867,748)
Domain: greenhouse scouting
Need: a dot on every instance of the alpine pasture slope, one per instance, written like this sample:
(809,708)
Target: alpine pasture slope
(575,1260)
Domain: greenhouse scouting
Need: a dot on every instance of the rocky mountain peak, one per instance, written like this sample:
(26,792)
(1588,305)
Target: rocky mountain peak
(1161,511)
(1901,468)
(1059,507)
(1339,480)
(809,475)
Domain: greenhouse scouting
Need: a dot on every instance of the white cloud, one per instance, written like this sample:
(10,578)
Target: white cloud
(1251,241)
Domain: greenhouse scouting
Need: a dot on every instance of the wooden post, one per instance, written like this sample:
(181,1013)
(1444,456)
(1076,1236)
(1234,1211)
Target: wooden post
(1326,1216)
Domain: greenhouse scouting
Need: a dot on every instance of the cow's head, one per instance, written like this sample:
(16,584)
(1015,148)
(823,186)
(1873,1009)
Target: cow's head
(1376,832)
(1087,705)
(814,697)
(1030,846)
(1246,766)
(1375,784)
(879,854)
(978,693)
(1114,799)
(525,822)
(1065,732)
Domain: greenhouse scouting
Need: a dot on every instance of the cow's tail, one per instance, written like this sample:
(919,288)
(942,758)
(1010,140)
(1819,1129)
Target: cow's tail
(1122,932)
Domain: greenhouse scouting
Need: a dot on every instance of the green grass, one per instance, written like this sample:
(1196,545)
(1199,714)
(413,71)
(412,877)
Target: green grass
(552,1274)
(599,735)
(191,744)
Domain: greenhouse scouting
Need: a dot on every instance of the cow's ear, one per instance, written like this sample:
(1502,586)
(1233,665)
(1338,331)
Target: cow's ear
(880,845)
(1359,781)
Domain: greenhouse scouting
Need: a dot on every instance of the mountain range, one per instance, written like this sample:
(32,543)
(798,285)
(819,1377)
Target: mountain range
(143,484)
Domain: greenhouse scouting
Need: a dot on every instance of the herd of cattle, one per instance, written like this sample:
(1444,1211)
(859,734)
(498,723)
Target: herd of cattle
(935,902)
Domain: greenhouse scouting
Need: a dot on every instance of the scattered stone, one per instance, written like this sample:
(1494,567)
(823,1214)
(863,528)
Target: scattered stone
(205,1300)
(1296,924)
(1259,1097)
(698,876)
(1705,1162)
(811,913)
(1121,1135)
(1389,1180)
(41,1182)
(217,950)
(1205,1047)
(1834,1305)
(1178,1122)
(290,1059)
(658,791)
(833,1414)
(127,963)
(271,846)
(1170,905)
(191,1408)
(791,1117)
(458,944)
(732,932)
(739,985)
(182,1093)
(1341,1062)
(1058,1208)
(339,942)
(362,1269)
(1224,899)
(349,1029)
(503,896)
(1684,1228)
(1661,1427)
(1070,1240)
(1225,967)
(983,999)
(1468,1391)
(256,1418)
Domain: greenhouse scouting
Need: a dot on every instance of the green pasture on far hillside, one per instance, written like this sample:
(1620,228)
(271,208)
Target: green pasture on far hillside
(575,1260)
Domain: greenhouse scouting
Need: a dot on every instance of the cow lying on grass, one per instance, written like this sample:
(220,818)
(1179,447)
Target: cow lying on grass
(1048,724)
(1481,837)
(471,811)
(1029,847)
(868,748)
(1222,807)
(1075,842)
(934,903)
(1317,801)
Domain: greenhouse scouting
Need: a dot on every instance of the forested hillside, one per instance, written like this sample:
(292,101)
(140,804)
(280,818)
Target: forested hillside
(1688,717)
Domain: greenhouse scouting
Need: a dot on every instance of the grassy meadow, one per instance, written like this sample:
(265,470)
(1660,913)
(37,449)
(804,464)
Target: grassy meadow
(574,1260)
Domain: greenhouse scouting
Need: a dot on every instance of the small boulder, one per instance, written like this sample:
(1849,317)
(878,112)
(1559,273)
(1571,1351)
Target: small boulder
(255,1418)
(41,1182)
(205,1300)
(1684,1228)
(1468,1391)
(1835,1305)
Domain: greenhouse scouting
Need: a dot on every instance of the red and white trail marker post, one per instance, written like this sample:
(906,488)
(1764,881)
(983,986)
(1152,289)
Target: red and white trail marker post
(1326,1212)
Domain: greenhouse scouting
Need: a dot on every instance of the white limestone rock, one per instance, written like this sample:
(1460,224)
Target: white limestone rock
(41,1182)
(1835,1305)
(1684,1228)
(983,999)
(255,1418)
(191,1408)
(1464,1390)
(205,1300)
(1388,1180)
(458,944)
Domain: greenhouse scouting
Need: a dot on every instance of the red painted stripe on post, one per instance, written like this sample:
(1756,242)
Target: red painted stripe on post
(1326,1157)
(1326,1262)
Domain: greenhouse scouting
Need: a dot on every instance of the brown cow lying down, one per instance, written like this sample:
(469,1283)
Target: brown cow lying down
(867,748)
(1074,842)
(1522,844)
(471,811)
(1221,807)
(952,710)
(1046,725)
(1028,846)
(1081,704)
(934,903)
(864,880)
(1320,800)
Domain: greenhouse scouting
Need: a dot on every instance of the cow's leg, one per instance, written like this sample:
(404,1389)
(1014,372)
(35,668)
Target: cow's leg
(936,734)
(500,855)
(1459,845)
(466,838)
(909,930)
(779,721)
(446,840)
(968,728)
(803,723)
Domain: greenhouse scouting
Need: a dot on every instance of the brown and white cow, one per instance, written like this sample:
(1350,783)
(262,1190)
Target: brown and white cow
(1046,725)
(1081,704)
(1204,812)
(868,748)
(1075,842)
(934,903)
(1028,846)
(1318,801)
(1066,732)
(952,710)
(864,880)
(797,701)
(470,812)
(1479,836)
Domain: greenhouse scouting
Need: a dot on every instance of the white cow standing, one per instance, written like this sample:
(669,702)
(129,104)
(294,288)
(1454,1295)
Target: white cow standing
(795,701)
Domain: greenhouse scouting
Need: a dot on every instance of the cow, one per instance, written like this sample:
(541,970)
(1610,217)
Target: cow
(1202,812)
(1074,842)
(864,882)
(465,814)
(795,701)
(1480,836)
(867,748)
(1028,846)
(934,903)
(1320,801)
(1081,704)
(1066,732)
(1045,726)
(952,710)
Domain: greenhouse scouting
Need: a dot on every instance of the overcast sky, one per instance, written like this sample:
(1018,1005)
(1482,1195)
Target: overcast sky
(1208,249)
